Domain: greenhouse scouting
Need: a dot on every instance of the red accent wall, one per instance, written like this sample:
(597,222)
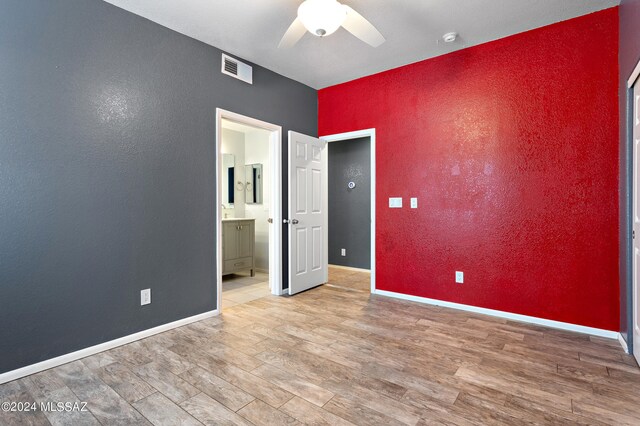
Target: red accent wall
(512,149)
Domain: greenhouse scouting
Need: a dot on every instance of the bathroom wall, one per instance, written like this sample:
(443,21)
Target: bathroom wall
(233,143)
(256,151)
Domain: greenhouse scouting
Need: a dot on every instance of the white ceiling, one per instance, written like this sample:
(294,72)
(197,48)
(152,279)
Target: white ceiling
(251,29)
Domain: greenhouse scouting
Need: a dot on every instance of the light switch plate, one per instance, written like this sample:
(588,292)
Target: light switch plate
(395,202)
(145,297)
(459,277)
(414,203)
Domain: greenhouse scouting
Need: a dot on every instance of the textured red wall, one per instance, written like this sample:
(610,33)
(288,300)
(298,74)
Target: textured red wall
(512,149)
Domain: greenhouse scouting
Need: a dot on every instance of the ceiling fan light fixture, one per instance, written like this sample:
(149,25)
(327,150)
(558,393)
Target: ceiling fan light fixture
(321,17)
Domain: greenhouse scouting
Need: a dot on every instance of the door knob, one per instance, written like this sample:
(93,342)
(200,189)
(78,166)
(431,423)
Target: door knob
(270,220)
(285,220)
(294,221)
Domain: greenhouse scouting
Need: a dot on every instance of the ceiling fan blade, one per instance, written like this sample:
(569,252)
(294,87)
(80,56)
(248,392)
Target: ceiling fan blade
(357,25)
(294,33)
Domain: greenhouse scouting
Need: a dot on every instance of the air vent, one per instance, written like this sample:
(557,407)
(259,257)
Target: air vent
(237,69)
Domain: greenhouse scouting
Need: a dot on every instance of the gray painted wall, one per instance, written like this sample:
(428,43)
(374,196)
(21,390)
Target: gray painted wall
(628,58)
(350,209)
(107,172)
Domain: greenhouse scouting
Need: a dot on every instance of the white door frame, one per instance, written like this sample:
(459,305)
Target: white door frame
(371,134)
(631,82)
(275,230)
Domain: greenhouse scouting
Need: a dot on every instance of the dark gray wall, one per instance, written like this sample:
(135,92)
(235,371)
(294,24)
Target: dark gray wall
(628,58)
(350,209)
(107,172)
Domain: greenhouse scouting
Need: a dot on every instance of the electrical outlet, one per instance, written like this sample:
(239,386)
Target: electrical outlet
(145,297)
(343,252)
(414,203)
(459,277)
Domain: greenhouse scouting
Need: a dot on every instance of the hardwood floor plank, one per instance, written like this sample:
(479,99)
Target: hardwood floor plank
(161,411)
(496,381)
(365,397)
(310,414)
(125,382)
(543,414)
(67,417)
(222,391)
(104,403)
(260,414)
(14,392)
(358,414)
(211,413)
(166,382)
(292,383)
(603,414)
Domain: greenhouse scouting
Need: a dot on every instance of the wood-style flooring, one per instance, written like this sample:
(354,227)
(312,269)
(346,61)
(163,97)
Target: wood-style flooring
(336,355)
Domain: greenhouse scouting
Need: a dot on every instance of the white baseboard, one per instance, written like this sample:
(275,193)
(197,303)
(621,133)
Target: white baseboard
(349,268)
(623,343)
(83,353)
(502,314)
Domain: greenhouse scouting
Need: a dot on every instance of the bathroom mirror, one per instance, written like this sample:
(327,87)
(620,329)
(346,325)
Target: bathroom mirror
(253,187)
(228,179)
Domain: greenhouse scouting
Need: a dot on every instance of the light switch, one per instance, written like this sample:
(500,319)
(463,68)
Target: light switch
(395,202)
(145,296)
(414,203)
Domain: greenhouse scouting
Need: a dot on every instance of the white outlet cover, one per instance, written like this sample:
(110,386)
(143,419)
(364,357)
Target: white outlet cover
(343,252)
(414,203)
(459,277)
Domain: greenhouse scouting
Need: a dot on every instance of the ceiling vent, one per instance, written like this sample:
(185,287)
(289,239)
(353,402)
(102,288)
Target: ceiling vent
(237,69)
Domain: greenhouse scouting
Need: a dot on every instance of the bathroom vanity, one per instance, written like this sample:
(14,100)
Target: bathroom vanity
(238,245)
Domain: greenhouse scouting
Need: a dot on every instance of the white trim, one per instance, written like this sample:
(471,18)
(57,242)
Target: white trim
(507,315)
(634,75)
(349,268)
(275,233)
(623,343)
(371,134)
(92,350)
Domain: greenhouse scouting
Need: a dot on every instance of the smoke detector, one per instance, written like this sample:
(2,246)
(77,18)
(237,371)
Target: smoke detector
(450,37)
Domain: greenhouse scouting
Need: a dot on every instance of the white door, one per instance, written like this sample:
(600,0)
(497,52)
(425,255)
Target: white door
(636,221)
(308,219)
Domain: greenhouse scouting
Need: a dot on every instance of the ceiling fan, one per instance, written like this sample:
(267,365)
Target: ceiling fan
(324,17)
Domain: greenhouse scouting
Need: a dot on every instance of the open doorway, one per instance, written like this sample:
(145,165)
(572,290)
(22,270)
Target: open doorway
(249,181)
(351,196)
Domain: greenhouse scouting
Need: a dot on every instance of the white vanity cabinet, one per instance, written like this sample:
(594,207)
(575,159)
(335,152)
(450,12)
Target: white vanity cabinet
(238,245)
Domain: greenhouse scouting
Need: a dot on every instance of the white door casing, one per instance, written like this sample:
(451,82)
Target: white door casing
(636,221)
(275,230)
(308,218)
(371,134)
